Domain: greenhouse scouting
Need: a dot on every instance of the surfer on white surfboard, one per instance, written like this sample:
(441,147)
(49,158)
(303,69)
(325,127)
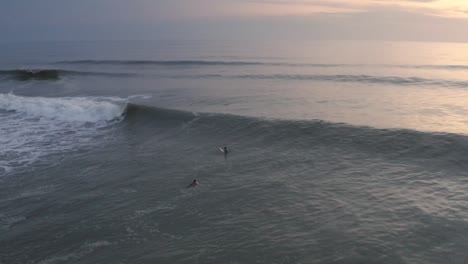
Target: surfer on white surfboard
(224,149)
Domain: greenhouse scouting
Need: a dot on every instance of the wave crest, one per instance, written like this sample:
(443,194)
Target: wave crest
(69,109)
(164,63)
(25,75)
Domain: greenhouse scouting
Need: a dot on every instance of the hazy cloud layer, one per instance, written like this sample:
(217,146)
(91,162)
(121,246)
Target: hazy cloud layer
(434,20)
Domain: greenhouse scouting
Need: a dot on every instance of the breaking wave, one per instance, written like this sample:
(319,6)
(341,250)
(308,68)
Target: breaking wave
(70,109)
(53,74)
(34,127)
(24,75)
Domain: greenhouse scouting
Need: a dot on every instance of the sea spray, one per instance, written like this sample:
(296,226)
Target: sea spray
(69,109)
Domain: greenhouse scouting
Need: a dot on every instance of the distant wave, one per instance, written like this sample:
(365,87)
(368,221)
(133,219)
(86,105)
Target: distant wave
(162,63)
(193,63)
(352,78)
(247,63)
(437,67)
(23,75)
(53,74)
(393,80)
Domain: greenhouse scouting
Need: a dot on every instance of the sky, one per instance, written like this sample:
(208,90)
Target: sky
(62,20)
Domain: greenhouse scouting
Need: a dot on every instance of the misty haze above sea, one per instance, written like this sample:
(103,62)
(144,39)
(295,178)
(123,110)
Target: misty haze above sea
(339,152)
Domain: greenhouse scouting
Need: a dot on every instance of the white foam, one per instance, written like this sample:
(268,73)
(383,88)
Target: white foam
(140,96)
(33,127)
(69,109)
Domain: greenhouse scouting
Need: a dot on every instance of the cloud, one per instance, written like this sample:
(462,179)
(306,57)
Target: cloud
(441,20)
(444,8)
(409,1)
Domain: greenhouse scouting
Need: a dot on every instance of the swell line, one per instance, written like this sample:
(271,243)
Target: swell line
(252,63)
(193,63)
(393,80)
(397,143)
(156,62)
(53,74)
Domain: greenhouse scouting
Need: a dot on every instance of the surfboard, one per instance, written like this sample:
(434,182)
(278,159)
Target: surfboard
(222,150)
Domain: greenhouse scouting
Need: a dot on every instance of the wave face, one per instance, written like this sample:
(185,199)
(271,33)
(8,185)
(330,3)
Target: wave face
(451,150)
(34,127)
(341,78)
(253,63)
(54,74)
(165,63)
(25,75)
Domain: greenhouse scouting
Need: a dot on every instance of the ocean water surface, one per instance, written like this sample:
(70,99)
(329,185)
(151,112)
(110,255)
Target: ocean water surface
(339,152)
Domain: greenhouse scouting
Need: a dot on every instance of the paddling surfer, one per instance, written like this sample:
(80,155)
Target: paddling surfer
(194,183)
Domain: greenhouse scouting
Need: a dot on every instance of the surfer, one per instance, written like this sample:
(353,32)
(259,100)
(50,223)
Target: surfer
(193,184)
(225,150)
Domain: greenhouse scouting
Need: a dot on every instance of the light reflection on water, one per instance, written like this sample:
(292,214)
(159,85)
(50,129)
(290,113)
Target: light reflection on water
(411,85)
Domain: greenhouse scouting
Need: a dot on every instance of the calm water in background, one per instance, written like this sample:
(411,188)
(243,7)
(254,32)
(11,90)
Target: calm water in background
(341,152)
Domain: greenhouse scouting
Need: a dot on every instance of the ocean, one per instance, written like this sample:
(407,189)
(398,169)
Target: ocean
(339,152)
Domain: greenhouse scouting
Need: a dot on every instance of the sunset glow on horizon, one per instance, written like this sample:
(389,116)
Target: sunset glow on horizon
(440,8)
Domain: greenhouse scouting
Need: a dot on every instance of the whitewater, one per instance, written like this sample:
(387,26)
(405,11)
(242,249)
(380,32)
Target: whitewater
(34,127)
(337,153)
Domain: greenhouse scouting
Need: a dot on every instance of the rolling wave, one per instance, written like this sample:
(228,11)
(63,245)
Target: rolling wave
(24,75)
(199,63)
(35,122)
(253,63)
(162,62)
(405,81)
(56,74)
(397,144)
(53,74)
(360,79)
(31,128)
(438,67)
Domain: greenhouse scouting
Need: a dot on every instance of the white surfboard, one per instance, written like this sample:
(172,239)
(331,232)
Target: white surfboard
(222,150)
